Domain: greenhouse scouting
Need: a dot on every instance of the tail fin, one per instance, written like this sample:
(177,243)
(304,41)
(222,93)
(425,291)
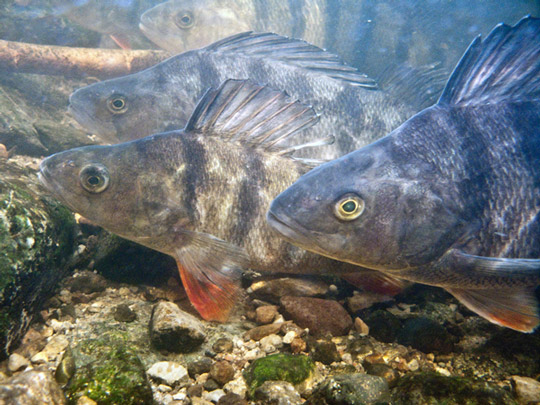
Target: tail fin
(503,67)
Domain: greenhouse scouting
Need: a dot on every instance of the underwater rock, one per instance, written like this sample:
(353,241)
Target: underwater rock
(169,372)
(323,350)
(319,315)
(272,290)
(199,367)
(266,314)
(277,393)
(222,372)
(271,343)
(174,330)
(108,371)
(382,370)
(86,282)
(32,387)
(259,332)
(383,326)
(35,127)
(222,345)
(17,362)
(527,389)
(278,367)
(123,313)
(232,399)
(431,388)
(425,335)
(36,242)
(352,389)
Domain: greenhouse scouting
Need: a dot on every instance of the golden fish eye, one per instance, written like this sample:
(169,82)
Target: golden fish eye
(349,207)
(117,104)
(184,20)
(94,178)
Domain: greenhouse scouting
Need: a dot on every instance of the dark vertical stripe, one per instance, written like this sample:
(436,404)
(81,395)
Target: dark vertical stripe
(298,20)
(195,177)
(248,202)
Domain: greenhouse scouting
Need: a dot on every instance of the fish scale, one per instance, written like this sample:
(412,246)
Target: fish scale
(463,187)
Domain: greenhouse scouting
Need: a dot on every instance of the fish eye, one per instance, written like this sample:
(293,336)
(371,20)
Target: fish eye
(117,104)
(184,19)
(94,178)
(349,207)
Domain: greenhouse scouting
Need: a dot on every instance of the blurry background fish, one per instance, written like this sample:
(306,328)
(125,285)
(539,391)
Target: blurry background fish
(368,34)
(118,20)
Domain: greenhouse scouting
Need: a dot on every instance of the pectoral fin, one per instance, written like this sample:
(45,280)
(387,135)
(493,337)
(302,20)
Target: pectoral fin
(515,308)
(210,270)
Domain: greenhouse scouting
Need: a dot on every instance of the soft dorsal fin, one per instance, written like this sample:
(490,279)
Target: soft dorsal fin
(503,67)
(255,115)
(293,52)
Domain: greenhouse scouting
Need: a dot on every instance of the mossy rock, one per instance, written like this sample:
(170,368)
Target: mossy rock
(431,388)
(281,367)
(36,242)
(108,371)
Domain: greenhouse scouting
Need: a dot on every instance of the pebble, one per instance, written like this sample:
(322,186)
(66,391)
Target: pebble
(527,389)
(223,345)
(278,393)
(213,396)
(384,371)
(199,367)
(222,372)
(179,396)
(426,335)
(39,358)
(17,362)
(383,326)
(273,290)
(174,330)
(360,301)
(164,388)
(194,390)
(261,331)
(253,354)
(351,389)
(87,282)
(266,314)
(123,313)
(289,336)
(319,315)
(271,343)
(324,351)
(39,388)
(361,327)
(200,401)
(84,400)
(237,386)
(3,151)
(298,345)
(169,372)
(232,399)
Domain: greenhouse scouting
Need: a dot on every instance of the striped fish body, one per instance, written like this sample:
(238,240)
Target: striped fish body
(368,34)
(351,106)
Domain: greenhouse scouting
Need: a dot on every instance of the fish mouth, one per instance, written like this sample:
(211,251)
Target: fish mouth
(90,124)
(294,233)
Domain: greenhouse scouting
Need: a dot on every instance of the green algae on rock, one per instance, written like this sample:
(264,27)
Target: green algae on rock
(431,388)
(36,241)
(282,367)
(108,371)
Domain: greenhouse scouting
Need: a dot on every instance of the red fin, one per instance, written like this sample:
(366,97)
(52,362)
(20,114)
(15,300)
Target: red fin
(121,41)
(210,269)
(213,302)
(376,281)
(515,308)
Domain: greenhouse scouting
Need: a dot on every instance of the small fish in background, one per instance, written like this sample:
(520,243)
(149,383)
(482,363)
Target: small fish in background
(201,194)
(368,34)
(451,198)
(353,107)
(118,19)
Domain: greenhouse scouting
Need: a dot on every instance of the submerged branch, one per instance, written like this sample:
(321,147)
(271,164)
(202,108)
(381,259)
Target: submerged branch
(75,62)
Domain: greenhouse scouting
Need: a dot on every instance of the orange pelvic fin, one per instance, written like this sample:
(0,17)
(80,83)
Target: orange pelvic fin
(515,308)
(210,270)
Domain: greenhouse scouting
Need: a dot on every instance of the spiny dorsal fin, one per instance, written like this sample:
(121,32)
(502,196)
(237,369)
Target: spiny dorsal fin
(503,67)
(293,52)
(255,115)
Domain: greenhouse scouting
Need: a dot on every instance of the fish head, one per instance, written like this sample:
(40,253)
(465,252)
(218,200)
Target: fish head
(130,107)
(118,187)
(360,209)
(182,25)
